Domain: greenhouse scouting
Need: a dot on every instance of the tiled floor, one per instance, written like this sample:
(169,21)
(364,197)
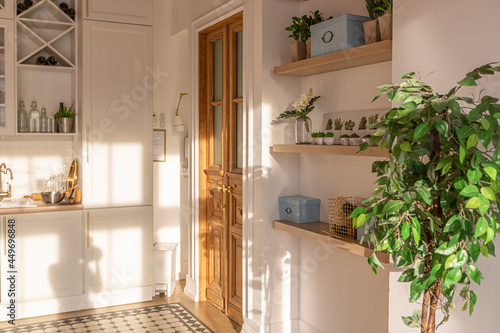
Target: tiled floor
(208,314)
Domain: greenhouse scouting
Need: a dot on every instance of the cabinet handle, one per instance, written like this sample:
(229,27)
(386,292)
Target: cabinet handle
(4,236)
(88,230)
(88,144)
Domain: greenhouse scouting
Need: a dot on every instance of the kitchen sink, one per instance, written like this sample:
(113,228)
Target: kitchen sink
(16,203)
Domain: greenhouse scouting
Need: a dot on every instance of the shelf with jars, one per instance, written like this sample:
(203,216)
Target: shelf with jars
(46,60)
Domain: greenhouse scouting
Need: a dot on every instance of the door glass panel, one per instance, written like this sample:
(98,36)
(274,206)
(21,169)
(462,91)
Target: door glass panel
(239,135)
(217,70)
(217,135)
(2,77)
(239,64)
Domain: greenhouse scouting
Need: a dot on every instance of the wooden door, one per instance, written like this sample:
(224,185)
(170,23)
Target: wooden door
(117,110)
(221,159)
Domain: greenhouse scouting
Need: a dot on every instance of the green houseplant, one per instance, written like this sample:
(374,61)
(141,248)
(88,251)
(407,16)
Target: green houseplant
(300,33)
(301,108)
(65,118)
(435,209)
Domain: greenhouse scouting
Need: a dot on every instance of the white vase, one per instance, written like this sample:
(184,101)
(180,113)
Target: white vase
(344,141)
(320,141)
(355,141)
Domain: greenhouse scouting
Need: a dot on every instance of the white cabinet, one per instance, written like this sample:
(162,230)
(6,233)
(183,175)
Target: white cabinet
(7,85)
(123,11)
(118,248)
(48,255)
(7,8)
(118,79)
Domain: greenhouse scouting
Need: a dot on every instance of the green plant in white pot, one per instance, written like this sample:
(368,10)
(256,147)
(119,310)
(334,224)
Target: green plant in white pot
(436,207)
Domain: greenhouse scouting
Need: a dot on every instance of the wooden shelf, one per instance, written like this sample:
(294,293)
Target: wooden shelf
(320,233)
(359,56)
(332,150)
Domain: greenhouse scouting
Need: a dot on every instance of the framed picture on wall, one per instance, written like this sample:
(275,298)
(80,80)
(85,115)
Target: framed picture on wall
(159,142)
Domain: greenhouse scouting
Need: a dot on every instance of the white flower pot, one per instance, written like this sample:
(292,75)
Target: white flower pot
(320,141)
(344,141)
(355,141)
(329,141)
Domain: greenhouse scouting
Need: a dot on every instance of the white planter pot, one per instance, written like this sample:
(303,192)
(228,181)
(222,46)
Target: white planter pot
(344,141)
(355,141)
(336,136)
(320,141)
(329,141)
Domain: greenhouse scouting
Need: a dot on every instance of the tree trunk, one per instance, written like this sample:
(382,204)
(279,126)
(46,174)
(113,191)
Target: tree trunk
(429,307)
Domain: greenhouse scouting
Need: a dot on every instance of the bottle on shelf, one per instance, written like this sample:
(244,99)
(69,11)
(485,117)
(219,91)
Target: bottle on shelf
(64,7)
(22,119)
(44,121)
(51,61)
(40,60)
(71,13)
(34,118)
(28,3)
(52,125)
(20,8)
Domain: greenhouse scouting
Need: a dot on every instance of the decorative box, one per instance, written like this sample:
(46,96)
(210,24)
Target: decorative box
(337,34)
(299,209)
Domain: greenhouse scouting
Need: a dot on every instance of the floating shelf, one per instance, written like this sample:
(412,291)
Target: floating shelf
(331,150)
(320,233)
(358,56)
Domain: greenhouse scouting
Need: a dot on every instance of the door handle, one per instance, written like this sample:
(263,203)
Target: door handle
(220,188)
(223,208)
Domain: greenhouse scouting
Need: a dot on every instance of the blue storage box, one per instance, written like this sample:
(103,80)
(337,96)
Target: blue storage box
(299,209)
(337,34)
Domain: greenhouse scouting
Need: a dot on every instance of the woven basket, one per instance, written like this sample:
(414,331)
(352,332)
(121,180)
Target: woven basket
(339,210)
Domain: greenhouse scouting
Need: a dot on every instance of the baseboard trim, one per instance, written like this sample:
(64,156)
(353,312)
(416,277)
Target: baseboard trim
(191,288)
(80,302)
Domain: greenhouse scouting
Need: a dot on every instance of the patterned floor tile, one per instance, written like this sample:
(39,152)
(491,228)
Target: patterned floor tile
(161,318)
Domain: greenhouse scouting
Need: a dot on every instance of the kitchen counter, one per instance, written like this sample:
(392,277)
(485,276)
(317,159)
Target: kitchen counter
(42,208)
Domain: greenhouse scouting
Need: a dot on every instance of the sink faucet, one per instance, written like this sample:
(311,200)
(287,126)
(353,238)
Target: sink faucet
(4,169)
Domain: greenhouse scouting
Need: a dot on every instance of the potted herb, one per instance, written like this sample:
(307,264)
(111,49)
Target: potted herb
(436,208)
(300,33)
(355,140)
(362,125)
(370,28)
(372,121)
(349,126)
(384,18)
(65,118)
(344,140)
(338,124)
(320,138)
(301,108)
(329,138)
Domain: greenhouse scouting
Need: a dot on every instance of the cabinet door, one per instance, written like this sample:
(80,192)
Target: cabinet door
(7,8)
(118,82)
(123,11)
(7,65)
(48,255)
(118,248)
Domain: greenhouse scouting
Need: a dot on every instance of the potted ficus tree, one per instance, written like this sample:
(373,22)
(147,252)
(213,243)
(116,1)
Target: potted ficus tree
(435,209)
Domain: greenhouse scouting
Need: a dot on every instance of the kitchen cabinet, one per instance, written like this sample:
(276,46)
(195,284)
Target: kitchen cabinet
(122,11)
(48,252)
(7,73)
(44,30)
(7,8)
(118,79)
(118,249)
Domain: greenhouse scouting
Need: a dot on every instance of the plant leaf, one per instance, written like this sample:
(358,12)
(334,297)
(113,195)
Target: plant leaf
(472,141)
(475,274)
(392,206)
(492,172)
(470,191)
(420,131)
(481,227)
(453,276)
(468,82)
(443,128)
(473,203)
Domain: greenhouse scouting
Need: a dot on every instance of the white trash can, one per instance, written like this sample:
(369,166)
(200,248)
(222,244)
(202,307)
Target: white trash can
(165,257)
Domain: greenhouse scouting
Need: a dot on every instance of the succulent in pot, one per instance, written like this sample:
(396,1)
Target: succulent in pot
(355,140)
(329,138)
(344,139)
(320,138)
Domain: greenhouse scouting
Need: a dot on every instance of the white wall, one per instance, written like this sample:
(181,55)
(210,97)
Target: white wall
(33,159)
(452,37)
(171,55)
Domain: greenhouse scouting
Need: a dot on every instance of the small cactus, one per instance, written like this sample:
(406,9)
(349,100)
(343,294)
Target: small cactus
(329,125)
(362,123)
(338,124)
(349,125)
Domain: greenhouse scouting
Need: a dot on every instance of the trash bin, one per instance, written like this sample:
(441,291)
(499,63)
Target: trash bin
(165,257)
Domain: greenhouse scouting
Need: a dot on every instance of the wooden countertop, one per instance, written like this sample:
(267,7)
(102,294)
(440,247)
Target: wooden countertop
(42,208)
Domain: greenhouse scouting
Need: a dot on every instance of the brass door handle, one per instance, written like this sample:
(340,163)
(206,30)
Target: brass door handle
(220,188)
(229,189)
(223,208)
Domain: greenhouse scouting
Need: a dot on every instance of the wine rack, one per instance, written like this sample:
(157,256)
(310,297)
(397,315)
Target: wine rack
(44,30)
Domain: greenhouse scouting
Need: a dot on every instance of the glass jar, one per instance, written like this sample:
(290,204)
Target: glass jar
(303,131)
(44,121)
(22,119)
(34,119)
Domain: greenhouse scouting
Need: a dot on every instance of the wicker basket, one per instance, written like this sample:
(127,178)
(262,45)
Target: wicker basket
(339,210)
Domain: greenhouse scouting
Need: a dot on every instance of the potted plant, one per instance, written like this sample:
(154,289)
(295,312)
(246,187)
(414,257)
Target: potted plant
(354,140)
(362,125)
(370,28)
(301,108)
(372,121)
(349,126)
(329,125)
(384,18)
(338,124)
(320,138)
(300,33)
(436,209)
(329,138)
(65,118)
(344,139)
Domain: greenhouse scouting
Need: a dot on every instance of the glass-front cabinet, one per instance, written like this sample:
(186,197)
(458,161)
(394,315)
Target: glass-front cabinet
(7,65)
